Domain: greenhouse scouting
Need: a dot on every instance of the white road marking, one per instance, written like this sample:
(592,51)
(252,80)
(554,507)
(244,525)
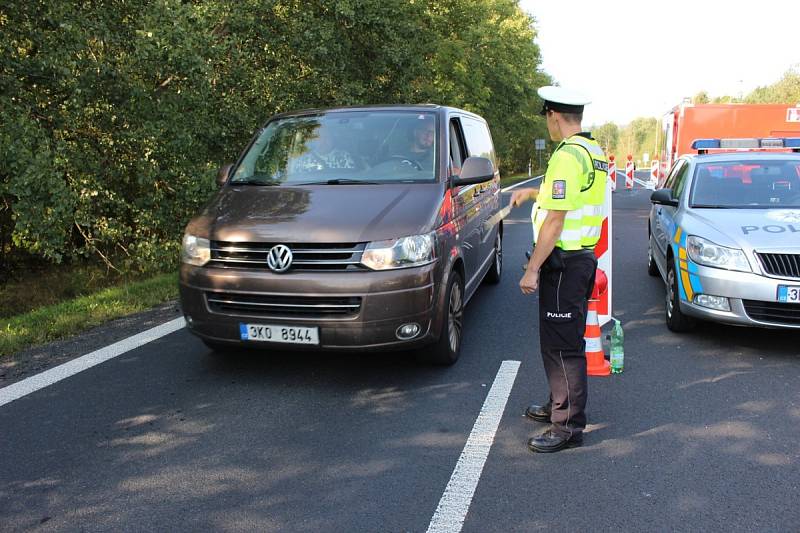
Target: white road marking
(22,388)
(521,183)
(455,502)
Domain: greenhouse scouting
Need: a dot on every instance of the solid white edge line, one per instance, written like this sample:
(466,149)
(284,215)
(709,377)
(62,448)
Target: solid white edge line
(452,510)
(29,385)
(521,183)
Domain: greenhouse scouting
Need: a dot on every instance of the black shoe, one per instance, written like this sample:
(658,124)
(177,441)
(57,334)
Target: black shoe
(549,442)
(540,413)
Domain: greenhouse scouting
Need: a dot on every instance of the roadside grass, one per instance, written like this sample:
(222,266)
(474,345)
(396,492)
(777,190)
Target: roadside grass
(58,321)
(38,285)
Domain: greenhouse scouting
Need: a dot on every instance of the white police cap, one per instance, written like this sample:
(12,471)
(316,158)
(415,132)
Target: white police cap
(562,100)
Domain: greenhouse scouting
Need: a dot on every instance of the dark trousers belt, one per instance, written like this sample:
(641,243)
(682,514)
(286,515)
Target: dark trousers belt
(567,254)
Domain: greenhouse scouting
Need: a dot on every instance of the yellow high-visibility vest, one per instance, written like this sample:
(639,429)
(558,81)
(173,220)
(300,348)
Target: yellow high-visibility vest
(575,182)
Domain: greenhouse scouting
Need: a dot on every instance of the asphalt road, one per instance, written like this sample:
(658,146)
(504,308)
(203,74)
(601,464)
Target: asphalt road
(701,431)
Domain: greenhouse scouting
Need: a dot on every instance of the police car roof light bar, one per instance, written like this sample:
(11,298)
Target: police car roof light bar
(769,143)
(704,145)
(793,143)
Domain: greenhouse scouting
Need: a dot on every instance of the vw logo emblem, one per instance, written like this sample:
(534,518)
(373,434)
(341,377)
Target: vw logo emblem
(279,258)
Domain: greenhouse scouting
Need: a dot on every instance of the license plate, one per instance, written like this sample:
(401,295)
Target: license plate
(273,333)
(789,294)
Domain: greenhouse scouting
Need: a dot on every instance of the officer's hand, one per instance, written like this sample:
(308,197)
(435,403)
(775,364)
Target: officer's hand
(521,196)
(529,282)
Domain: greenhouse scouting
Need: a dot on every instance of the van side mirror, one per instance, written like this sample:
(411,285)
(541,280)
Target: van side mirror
(663,197)
(475,170)
(223,174)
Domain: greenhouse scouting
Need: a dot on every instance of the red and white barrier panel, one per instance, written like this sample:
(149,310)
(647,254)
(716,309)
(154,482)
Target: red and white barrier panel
(612,173)
(603,253)
(653,176)
(629,173)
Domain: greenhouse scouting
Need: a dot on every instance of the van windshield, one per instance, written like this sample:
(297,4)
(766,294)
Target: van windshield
(343,147)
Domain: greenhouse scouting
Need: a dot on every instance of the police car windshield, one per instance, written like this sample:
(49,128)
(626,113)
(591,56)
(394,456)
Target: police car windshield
(343,148)
(747,184)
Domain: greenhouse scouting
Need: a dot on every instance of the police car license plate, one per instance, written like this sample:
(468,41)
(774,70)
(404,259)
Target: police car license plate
(273,333)
(789,294)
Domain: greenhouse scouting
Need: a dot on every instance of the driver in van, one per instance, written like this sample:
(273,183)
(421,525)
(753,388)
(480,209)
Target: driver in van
(421,149)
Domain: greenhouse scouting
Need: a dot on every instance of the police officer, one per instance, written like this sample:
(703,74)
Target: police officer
(567,219)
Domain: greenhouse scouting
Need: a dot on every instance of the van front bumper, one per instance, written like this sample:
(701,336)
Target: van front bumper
(376,305)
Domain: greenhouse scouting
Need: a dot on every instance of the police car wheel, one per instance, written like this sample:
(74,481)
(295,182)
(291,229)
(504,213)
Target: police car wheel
(447,349)
(676,320)
(652,268)
(496,270)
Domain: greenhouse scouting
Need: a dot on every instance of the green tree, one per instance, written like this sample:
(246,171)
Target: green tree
(784,91)
(725,100)
(701,98)
(114,115)
(637,138)
(607,135)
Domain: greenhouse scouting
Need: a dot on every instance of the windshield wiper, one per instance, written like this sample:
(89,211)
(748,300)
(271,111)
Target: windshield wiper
(337,181)
(709,206)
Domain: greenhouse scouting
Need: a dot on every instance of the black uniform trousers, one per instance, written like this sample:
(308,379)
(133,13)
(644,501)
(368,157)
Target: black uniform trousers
(564,291)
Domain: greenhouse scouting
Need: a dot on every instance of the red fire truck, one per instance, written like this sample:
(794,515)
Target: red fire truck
(687,122)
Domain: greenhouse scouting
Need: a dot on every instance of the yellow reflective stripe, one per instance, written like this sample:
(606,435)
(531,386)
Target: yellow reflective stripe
(592,224)
(682,253)
(677,238)
(687,285)
(570,238)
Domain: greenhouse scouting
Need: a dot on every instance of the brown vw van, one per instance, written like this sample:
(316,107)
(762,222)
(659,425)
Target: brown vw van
(347,229)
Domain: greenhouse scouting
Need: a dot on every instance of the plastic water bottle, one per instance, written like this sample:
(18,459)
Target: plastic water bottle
(617,351)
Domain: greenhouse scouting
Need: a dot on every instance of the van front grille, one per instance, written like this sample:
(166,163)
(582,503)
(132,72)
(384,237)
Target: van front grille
(305,256)
(773,312)
(279,306)
(783,265)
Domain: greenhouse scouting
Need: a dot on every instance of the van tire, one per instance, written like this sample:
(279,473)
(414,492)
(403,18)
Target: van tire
(496,270)
(443,352)
(676,320)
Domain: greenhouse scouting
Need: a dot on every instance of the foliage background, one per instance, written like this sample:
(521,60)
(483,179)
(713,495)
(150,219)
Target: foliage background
(115,114)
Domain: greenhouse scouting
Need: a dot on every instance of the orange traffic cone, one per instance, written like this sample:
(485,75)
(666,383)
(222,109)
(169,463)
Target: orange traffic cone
(596,364)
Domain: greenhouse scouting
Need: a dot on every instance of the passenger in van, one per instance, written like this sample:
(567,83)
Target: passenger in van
(323,154)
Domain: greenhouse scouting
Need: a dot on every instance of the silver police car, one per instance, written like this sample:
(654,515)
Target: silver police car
(725,237)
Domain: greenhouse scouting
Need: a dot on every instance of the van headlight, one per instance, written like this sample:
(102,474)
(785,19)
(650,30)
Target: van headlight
(195,250)
(707,253)
(405,252)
